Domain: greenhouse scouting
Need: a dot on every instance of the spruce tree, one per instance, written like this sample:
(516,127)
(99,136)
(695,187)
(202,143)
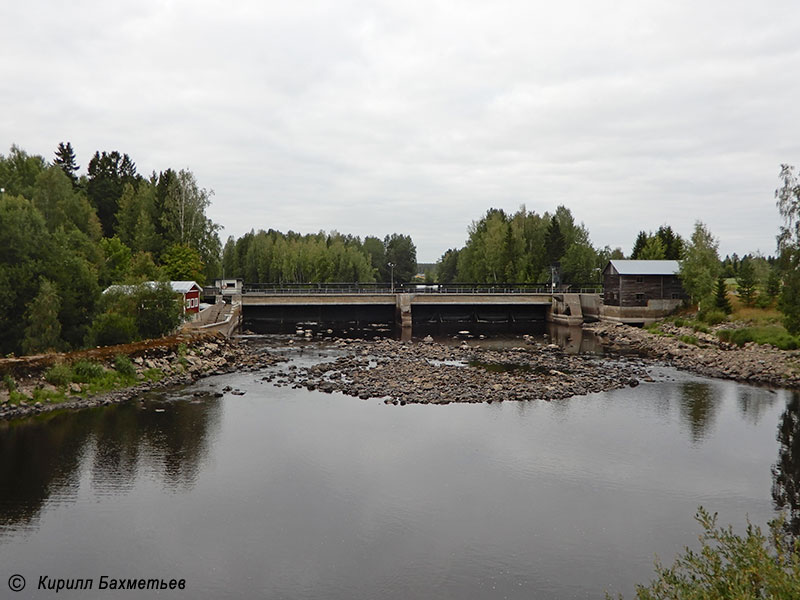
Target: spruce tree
(554,243)
(773,285)
(653,249)
(65,160)
(721,301)
(747,282)
(639,245)
(673,243)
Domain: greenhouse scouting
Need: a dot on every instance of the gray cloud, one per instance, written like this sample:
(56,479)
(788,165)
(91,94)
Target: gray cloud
(374,117)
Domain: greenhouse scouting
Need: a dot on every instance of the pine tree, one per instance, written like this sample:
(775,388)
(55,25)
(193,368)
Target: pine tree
(44,330)
(65,159)
(721,301)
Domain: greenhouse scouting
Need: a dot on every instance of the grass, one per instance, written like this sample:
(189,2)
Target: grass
(774,335)
(687,322)
(757,316)
(689,339)
(92,376)
(655,329)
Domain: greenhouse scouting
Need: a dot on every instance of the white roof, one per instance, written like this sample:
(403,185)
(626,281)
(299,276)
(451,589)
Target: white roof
(646,267)
(184,287)
(181,287)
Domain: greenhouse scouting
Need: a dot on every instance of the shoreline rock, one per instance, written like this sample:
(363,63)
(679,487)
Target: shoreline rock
(204,356)
(751,363)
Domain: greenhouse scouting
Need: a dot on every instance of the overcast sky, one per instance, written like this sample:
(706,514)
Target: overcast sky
(416,117)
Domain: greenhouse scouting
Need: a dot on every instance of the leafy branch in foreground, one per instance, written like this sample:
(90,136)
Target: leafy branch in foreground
(730,566)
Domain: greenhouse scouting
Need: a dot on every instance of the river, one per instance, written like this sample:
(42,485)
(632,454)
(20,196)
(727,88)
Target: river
(289,493)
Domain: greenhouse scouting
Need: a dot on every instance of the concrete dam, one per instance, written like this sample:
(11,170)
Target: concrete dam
(269,310)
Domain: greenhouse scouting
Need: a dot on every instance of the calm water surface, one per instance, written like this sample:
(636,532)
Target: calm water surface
(285,493)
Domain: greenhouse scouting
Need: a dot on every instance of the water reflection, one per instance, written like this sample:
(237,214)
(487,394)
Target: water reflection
(754,403)
(786,472)
(44,457)
(574,340)
(699,405)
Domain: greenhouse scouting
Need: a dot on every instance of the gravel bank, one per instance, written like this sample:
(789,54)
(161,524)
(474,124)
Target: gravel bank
(431,373)
(751,363)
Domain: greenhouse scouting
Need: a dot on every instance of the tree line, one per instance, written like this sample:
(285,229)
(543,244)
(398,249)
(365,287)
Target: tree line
(526,247)
(66,237)
(275,257)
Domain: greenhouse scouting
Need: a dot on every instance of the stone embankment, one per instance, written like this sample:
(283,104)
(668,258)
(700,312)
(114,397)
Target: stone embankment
(431,373)
(751,363)
(174,361)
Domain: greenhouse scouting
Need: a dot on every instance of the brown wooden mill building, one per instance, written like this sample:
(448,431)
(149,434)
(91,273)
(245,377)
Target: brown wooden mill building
(640,291)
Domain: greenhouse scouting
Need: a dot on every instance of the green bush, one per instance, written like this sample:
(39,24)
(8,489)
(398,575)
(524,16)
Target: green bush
(774,335)
(763,301)
(11,385)
(110,329)
(729,565)
(86,371)
(59,374)
(712,316)
(700,327)
(157,310)
(124,366)
(688,339)
(679,322)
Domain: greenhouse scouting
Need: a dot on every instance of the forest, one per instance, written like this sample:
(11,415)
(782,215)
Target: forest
(68,235)
(526,247)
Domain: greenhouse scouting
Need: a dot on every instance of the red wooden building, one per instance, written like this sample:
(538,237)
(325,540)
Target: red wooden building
(191,295)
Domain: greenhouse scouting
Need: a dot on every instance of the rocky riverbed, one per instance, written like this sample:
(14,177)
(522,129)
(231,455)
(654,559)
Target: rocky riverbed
(432,373)
(420,372)
(751,363)
(175,363)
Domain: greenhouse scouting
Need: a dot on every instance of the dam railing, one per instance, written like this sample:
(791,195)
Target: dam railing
(414,288)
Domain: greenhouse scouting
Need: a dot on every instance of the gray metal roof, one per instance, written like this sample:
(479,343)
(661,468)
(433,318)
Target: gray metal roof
(181,287)
(184,287)
(646,267)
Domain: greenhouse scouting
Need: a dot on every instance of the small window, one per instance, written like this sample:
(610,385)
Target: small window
(640,296)
(676,296)
(639,279)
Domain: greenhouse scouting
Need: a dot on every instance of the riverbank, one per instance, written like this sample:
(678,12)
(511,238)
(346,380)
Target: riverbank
(433,373)
(154,365)
(404,373)
(704,353)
